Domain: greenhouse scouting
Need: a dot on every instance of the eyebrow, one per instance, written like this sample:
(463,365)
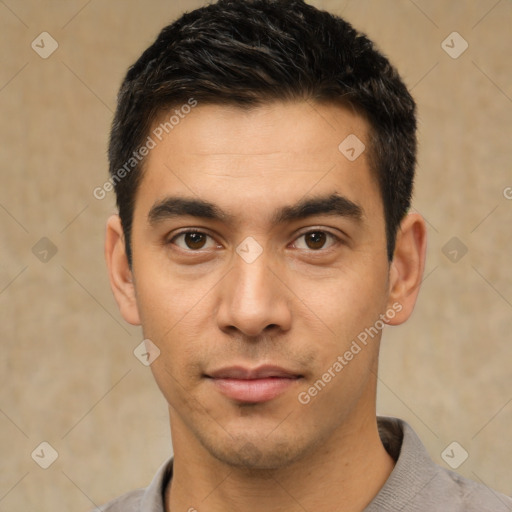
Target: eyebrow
(332,204)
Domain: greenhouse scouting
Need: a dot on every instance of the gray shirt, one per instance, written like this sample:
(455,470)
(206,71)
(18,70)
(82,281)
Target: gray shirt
(416,484)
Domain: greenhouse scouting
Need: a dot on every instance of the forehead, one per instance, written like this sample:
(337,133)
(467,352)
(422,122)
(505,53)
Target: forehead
(263,156)
(270,128)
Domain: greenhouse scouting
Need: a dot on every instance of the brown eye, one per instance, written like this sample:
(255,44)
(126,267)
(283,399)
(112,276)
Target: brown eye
(195,240)
(315,239)
(192,240)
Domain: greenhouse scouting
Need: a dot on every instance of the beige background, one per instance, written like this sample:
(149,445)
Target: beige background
(68,373)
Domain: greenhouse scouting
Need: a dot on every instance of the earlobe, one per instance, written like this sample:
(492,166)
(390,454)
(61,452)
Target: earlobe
(406,271)
(120,273)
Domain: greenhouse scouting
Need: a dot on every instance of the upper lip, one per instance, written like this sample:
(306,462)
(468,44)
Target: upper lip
(260,372)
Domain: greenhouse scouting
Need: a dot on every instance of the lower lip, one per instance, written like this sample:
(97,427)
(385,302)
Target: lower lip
(254,390)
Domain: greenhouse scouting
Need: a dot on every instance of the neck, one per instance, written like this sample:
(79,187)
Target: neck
(344,474)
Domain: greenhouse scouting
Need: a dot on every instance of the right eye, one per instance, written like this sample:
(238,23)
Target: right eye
(192,240)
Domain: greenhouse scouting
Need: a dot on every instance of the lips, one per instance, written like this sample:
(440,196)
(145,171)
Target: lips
(253,385)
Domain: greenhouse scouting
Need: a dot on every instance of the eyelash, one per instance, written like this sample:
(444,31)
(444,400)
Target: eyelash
(336,240)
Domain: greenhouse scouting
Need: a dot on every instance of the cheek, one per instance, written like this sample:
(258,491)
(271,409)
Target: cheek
(176,370)
(349,300)
(176,316)
(164,299)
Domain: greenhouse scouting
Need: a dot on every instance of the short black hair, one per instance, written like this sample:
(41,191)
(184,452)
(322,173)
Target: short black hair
(251,52)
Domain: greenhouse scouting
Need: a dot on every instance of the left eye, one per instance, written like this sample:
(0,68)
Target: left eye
(315,240)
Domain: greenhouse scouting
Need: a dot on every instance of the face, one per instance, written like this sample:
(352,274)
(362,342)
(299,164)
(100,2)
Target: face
(259,259)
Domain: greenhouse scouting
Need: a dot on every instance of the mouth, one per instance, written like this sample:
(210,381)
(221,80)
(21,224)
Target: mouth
(254,385)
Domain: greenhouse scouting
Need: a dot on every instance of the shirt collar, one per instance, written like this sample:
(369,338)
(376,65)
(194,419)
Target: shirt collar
(153,499)
(413,471)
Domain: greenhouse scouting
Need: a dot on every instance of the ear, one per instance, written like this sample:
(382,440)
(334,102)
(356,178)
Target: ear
(406,270)
(120,273)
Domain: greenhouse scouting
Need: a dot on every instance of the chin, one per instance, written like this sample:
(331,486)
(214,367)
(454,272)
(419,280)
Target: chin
(257,454)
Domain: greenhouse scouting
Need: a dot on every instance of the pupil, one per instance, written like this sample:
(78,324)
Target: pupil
(317,239)
(194,240)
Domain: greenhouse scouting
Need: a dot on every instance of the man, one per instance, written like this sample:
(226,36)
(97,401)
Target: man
(263,157)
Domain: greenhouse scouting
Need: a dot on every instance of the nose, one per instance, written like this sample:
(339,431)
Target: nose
(254,300)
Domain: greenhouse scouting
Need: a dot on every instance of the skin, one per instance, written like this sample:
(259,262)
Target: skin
(299,305)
